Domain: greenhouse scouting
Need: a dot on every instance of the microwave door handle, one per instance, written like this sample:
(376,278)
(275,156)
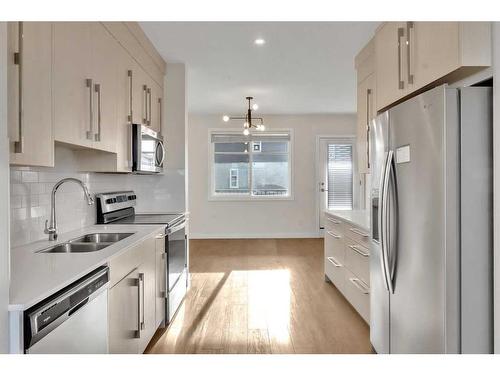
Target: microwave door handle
(163,151)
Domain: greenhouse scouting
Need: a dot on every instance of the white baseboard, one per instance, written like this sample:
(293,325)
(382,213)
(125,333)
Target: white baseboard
(201,236)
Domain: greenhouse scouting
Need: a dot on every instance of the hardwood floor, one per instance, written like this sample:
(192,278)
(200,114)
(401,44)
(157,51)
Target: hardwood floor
(261,296)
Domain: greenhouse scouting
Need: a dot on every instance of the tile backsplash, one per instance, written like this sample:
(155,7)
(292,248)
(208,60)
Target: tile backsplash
(31,187)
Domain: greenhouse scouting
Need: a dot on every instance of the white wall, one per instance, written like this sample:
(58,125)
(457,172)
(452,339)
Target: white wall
(4,195)
(271,219)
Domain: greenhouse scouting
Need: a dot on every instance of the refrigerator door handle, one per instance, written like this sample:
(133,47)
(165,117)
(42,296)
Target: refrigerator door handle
(381,223)
(385,235)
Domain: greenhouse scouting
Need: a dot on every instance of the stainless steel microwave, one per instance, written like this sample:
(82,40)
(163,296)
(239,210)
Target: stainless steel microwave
(148,150)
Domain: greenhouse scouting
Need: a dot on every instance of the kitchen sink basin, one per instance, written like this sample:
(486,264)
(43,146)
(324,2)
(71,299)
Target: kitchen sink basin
(101,237)
(88,243)
(72,247)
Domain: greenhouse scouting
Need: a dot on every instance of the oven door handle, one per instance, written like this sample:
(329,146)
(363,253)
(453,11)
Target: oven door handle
(176,227)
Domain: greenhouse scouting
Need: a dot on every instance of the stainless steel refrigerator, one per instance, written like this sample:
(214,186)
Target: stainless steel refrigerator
(431,217)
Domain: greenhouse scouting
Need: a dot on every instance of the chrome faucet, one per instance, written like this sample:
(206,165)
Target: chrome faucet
(52,230)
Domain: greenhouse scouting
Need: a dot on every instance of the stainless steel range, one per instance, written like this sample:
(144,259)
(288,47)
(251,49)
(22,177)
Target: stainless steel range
(118,208)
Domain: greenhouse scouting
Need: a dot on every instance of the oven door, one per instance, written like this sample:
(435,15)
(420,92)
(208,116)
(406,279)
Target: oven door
(148,150)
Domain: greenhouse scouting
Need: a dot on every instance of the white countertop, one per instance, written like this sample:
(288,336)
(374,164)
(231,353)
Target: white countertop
(360,218)
(35,276)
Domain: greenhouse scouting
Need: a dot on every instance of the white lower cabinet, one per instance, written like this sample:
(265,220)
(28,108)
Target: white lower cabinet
(347,263)
(132,305)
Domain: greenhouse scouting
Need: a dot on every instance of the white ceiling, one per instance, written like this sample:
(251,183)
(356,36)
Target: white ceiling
(304,67)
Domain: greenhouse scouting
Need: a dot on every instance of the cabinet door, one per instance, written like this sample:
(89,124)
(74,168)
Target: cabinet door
(389,63)
(161,283)
(365,113)
(124,315)
(432,51)
(35,124)
(124,105)
(148,293)
(156,106)
(104,72)
(73,120)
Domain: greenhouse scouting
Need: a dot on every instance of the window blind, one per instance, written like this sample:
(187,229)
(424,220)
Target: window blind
(340,176)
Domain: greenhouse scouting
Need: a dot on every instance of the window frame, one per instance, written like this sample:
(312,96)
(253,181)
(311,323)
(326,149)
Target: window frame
(248,197)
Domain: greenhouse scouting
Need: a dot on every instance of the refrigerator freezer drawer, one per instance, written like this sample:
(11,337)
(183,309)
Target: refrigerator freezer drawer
(358,294)
(334,246)
(357,260)
(357,234)
(335,271)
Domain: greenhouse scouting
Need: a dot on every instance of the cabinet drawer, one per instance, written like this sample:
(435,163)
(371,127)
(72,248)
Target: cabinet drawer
(335,271)
(334,246)
(358,294)
(361,236)
(119,267)
(357,260)
(333,224)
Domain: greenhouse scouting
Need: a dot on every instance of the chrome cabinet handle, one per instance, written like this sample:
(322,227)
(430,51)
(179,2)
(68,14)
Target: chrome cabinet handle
(368,95)
(360,285)
(333,221)
(140,303)
(18,60)
(148,113)
(336,236)
(97,136)
(409,30)
(159,114)
(401,33)
(130,98)
(359,251)
(90,132)
(357,231)
(334,262)
(145,102)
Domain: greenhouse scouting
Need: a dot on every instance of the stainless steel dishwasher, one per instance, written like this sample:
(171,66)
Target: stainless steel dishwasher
(74,320)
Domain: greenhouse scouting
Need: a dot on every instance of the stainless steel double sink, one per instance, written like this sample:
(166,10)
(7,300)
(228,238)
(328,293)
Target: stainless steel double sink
(87,243)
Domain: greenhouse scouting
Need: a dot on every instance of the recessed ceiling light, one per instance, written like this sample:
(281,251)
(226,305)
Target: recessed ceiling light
(259,41)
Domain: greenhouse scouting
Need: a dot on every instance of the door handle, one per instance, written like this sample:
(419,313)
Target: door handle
(159,114)
(130,98)
(360,285)
(385,230)
(401,33)
(90,132)
(358,232)
(334,262)
(359,251)
(368,95)
(336,236)
(148,100)
(145,102)
(18,60)
(97,136)
(409,30)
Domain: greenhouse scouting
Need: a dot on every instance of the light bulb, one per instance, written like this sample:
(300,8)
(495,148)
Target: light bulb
(255,106)
(258,127)
(245,125)
(246,131)
(262,128)
(225,118)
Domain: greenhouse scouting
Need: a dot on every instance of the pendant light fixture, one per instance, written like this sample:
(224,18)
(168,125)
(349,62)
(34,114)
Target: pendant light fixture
(248,118)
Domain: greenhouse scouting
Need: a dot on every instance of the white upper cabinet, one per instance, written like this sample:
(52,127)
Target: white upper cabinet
(412,55)
(30,93)
(73,84)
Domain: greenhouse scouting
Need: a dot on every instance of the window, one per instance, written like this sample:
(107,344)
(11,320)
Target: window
(257,165)
(340,176)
